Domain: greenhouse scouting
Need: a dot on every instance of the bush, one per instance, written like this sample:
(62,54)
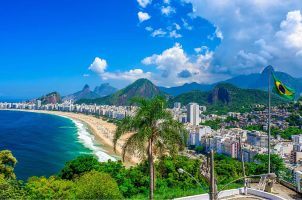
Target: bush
(79,166)
(97,185)
(10,189)
(49,188)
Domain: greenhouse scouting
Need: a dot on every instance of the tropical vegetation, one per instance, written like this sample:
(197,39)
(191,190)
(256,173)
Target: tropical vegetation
(154,133)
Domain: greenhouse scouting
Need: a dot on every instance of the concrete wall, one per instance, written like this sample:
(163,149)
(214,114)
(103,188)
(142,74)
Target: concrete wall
(233,192)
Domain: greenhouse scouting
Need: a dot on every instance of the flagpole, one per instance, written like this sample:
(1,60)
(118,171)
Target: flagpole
(269,123)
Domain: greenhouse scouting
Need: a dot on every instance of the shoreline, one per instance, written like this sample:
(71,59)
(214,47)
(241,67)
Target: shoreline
(102,130)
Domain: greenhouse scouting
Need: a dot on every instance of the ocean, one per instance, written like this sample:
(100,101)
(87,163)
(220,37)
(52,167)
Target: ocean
(43,143)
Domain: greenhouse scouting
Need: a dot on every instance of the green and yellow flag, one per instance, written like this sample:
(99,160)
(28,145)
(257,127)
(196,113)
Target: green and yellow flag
(282,90)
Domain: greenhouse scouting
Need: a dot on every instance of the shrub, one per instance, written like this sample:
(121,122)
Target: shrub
(10,189)
(49,188)
(97,185)
(79,166)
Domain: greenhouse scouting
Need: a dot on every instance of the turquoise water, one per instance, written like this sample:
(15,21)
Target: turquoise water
(43,143)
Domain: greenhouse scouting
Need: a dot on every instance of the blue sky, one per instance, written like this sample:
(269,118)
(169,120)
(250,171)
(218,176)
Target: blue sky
(60,45)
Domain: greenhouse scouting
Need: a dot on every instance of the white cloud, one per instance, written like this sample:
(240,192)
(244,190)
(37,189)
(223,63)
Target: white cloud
(291,30)
(177,26)
(129,76)
(276,24)
(186,25)
(99,65)
(158,33)
(144,3)
(197,50)
(167,1)
(86,75)
(143,16)
(167,10)
(175,67)
(174,34)
(149,28)
(218,33)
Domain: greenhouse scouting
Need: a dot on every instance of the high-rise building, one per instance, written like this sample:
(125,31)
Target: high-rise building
(193,113)
(38,104)
(177,105)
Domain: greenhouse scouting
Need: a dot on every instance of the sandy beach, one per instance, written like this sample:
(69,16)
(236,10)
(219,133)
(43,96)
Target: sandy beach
(102,130)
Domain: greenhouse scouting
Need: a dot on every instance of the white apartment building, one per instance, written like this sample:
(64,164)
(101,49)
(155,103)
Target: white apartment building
(193,113)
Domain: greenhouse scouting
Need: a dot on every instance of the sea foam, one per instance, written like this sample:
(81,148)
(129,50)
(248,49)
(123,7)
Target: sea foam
(89,141)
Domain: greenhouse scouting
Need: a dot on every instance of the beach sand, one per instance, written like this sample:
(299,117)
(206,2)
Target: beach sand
(102,130)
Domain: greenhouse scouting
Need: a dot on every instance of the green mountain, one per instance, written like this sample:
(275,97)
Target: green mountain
(104,89)
(140,88)
(51,98)
(85,93)
(251,81)
(225,97)
(187,87)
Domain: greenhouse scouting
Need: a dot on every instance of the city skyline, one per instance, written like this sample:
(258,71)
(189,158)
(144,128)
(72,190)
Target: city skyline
(62,45)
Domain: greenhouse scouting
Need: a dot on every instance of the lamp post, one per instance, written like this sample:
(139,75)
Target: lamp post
(182,171)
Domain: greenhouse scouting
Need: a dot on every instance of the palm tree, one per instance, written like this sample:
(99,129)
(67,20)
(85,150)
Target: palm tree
(154,133)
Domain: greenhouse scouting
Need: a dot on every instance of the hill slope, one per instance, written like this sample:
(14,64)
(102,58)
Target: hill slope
(85,93)
(226,97)
(104,90)
(140,88)
(51,98)
(187,87)
(251,81)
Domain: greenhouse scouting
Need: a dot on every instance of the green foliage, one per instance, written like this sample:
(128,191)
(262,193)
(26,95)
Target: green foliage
(7,164)
(294,120)
(214,124)
(254,128)
(10,189)
(78,166)
(227,169)
(226,98)
(152,122)
(199,149)
(49,188)
(96,185)
(277,163)
(287,133)
(231,119)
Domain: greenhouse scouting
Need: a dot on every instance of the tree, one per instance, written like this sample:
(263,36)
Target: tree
(7,164)
(78,166)
(152,127)
(49,188)
(97,185)
(277,163)
(10,189)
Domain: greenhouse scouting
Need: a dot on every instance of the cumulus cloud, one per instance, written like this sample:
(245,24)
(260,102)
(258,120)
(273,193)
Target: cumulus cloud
(143,16)
(129,76)
(255,34)
(171,67)
(175,67)
(98,65)
(144,3)
(291,30)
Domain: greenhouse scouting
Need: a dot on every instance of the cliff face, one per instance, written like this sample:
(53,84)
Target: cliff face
(220,94)
(51,98)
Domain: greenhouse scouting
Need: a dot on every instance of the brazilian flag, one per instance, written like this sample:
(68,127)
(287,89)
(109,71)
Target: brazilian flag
(282,90)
